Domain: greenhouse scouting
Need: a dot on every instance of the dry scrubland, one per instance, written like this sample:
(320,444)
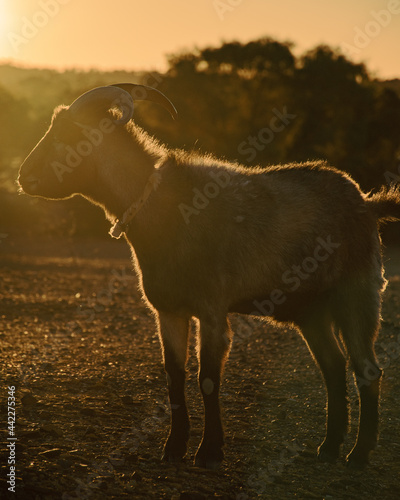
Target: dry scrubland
(92,413)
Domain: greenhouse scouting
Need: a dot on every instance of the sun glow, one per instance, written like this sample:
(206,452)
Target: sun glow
(3,17)
(5,22)
(62,34)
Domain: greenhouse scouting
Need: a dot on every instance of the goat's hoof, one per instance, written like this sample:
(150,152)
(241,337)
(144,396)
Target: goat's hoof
(174,451)
(358,458)
(172,459)
(210,463)
(326,455)
(355,461)
(208,459)
(326,458)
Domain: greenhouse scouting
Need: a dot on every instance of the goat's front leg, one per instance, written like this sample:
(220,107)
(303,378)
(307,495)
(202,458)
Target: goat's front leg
(173,332)
(215,338)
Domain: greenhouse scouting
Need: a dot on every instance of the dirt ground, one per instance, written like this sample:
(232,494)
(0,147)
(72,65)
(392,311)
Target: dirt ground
(91,415)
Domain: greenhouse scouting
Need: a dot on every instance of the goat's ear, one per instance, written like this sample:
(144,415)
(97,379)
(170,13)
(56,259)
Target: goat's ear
(59,113)
(60,117)
(64,128)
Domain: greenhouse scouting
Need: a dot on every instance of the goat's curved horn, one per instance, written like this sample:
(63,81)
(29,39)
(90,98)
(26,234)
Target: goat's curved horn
(144,93)
(102,99)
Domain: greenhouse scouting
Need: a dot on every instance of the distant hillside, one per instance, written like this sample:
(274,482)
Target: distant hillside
(392,84)
(46,88)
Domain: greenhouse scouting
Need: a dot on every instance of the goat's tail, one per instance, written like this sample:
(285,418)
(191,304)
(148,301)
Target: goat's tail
(386,203)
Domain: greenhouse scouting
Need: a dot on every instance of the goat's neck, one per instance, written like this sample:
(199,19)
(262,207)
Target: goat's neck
(122,181)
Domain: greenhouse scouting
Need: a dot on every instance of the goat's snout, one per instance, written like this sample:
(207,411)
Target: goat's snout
(28,183)
(29,176)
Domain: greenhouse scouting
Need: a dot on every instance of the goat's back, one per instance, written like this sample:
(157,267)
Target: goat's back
(245,240)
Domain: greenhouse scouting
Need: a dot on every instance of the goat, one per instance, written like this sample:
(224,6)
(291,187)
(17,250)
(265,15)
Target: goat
(297,243)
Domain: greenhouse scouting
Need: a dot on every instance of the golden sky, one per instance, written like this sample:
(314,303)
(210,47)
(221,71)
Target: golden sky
(138,34)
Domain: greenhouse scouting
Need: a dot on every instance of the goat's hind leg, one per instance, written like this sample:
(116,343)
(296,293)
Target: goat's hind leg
(173,332)
(317,331)
(359,329)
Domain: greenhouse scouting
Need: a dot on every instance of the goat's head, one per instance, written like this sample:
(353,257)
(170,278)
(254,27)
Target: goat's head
(64,161)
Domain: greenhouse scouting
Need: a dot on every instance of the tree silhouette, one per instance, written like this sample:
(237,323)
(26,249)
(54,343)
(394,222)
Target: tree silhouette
(229,99)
